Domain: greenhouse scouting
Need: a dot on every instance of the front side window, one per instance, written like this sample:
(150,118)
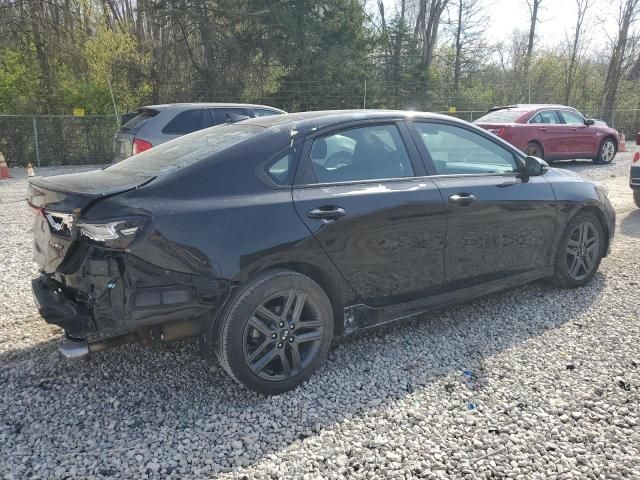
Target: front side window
(367,153)
(183,123)
(457,151)
(548,118)
(571,118)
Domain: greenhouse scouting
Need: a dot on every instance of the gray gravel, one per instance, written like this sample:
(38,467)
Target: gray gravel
(551,390)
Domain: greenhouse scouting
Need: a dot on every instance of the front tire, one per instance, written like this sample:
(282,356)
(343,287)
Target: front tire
(636,197)
(275,332)
(534,149)
(579,252)
(607,152)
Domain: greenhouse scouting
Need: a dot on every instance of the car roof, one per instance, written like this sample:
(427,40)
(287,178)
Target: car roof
(165,106)
(528,107)
(306,121)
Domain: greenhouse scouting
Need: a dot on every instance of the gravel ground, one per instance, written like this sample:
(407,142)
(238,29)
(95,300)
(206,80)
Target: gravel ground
(551,389)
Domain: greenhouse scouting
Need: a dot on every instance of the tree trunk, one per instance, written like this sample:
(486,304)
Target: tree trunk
(628,13)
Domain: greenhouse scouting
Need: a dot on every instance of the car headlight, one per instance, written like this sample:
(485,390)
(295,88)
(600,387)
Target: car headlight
(113,230)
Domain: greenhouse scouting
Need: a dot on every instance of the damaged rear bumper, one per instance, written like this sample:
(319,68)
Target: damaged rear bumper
(115,291)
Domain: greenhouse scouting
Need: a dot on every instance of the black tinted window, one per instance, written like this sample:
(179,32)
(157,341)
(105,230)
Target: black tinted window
(456,150)
(367,153)
(185,150)
(138,120)
(229,115)
(185,122)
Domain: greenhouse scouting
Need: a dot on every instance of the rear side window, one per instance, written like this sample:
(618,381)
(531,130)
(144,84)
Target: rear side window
(500,116)
(281,170)
(186,150)
(183,123)
(376,152)
(263,112)
(546,118)
(458,151)
(138,120)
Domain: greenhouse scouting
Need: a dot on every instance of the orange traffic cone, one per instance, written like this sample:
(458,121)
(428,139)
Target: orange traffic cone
(4,170)
(30,172)
(623,145)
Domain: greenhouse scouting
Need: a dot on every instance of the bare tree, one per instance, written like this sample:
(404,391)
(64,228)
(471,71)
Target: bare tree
(467,32)
(534,10)
(576,46)
(627,14)
(426,31)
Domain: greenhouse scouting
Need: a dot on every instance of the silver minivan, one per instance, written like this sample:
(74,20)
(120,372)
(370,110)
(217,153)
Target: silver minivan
(157,124)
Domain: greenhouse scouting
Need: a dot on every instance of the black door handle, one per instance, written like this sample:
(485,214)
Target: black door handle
(462,199)
(329,212)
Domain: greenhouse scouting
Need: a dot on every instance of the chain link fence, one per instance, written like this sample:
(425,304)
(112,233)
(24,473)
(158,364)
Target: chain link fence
(69,140)
(57,139)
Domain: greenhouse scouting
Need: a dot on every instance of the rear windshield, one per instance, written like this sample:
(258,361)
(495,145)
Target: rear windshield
(184,151)
(500,116)
(136,122)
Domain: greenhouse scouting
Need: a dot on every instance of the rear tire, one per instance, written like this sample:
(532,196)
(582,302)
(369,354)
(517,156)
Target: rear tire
(534,149)
(579,252)
(275,332)
(636,197)
(606,152)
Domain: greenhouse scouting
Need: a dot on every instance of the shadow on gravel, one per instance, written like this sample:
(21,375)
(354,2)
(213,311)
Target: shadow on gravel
(168,403)
(630,224)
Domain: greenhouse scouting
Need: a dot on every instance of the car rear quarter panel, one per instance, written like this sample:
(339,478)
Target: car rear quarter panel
(218,219)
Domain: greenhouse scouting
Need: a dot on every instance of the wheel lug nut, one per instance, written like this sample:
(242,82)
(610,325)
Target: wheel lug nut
(279,345)
(274,335)
(281,324)
(292,326)
(290,339)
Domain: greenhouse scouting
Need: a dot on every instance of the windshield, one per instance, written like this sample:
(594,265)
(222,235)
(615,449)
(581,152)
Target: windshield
(184,151)
(500,116)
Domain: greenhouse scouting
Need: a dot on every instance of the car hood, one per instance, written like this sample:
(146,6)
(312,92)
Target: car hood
(564,174)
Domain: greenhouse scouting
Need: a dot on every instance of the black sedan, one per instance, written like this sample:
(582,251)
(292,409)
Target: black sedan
(269,237)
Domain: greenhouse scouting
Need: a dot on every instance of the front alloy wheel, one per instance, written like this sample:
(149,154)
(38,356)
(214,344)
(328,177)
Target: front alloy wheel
(580,251)
(583,250)
(275,331)
(607,152)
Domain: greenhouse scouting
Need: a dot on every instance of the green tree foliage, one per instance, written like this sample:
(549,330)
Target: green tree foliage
(295,54)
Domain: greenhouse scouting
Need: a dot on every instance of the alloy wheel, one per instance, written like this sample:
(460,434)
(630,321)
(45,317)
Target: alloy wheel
(583,249)
(533,150)
(607,152)
(283,335)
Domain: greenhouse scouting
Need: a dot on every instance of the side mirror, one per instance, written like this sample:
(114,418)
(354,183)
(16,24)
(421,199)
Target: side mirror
(534,167)
(589,122)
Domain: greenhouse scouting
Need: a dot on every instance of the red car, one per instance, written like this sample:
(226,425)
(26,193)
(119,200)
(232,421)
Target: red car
(552,132)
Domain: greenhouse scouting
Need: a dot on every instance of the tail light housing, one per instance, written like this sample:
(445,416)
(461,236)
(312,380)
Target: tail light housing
(636,157)
(140,146)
